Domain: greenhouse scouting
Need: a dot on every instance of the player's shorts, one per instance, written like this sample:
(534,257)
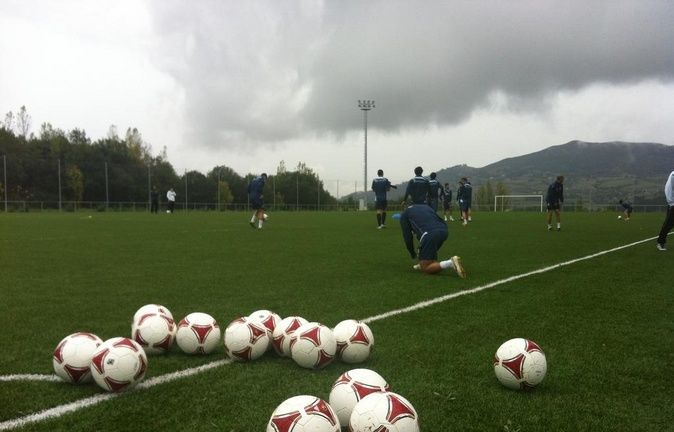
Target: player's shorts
(434,204)
(553,206)
(464,206)
(446,205)
(430,244)
(257,204)
(380,204)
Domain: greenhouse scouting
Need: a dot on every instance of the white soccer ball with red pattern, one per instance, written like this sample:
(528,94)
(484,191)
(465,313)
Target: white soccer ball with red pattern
(198,333)
(520,364)
(388,412)
(313,346)
(118,364)
(303,414)
(268,319)
(354,341)
(351,387)
(152,308)
(72,357)
(283,333)
(155,332)
(245,339)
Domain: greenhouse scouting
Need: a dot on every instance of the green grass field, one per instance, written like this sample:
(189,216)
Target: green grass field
(604,323)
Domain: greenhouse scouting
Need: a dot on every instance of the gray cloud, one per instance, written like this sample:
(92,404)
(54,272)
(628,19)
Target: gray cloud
(266,72)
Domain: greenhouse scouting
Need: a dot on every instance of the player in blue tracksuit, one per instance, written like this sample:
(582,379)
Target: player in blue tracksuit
(464,195)
(553,200)
(434,191)
(446,194)
(255,188)
(421,221)
(627,209)
(381,186)
(417,188)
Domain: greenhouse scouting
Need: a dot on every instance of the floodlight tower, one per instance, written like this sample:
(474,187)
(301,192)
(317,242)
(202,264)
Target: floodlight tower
(365,106)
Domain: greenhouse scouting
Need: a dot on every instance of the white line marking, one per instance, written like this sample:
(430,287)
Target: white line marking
(444,298)
(93,400)
(29,377)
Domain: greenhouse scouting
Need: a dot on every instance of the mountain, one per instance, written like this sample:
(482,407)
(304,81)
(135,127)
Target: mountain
(596,173)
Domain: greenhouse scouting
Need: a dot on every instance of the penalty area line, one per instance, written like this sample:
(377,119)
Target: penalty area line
(77,405)
(433,301)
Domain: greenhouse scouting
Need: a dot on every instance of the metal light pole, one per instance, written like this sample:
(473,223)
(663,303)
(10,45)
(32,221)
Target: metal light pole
(59,184)
(149,189)
(107,192)
(4,163)
(365,106)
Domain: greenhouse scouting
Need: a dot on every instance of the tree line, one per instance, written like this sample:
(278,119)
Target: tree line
(121,168)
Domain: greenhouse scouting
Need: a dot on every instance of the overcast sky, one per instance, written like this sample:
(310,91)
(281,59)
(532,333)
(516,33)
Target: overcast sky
(250,83)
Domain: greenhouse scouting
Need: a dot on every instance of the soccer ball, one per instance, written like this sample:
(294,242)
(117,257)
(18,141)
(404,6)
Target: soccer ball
(313,346)
(303,414)
(72,357)
(620,217)
(198,333)
(151,308)
(155,332)
(520,364)
(245,339)
(283,333)
(351,387)
(118,364)
(268,319)
(384,412)
(354,341)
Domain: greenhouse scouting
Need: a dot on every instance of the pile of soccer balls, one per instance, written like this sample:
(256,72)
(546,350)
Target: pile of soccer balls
(120,363)
(360,399)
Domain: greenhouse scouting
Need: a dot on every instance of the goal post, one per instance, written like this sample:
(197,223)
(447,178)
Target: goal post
(518,202)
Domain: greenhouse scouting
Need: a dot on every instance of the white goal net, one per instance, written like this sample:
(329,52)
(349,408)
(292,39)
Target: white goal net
(518,202)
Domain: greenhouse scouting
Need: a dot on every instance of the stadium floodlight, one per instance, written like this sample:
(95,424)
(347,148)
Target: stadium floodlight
(365,106)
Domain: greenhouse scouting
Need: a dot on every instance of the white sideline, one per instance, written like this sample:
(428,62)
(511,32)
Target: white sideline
(61,410)
(93,400)
(29,377)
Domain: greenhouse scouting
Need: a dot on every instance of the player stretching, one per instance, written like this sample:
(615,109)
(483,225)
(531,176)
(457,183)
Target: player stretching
(417,188)
(431,232)
(380,186)
(255,188)
(554,200)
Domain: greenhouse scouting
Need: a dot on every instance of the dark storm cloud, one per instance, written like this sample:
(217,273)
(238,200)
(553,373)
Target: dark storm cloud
(256,71)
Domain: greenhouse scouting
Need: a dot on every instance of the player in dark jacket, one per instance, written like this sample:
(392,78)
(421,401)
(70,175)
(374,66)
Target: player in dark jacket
(464,195)
(381,186)
(434,191)
(417,188)
(255,188)
(553,200)
(446,194)
(421,221)
(627,209)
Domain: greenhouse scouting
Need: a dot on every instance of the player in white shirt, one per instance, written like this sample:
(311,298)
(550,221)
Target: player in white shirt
(171,197)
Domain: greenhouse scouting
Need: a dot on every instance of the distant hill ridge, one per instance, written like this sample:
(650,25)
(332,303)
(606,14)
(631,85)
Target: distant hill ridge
(595,172)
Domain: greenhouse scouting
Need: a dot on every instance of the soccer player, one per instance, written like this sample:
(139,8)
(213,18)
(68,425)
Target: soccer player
(171,197)
(417,188)
(669,219)
(627,209)
(380,186)
(434,188)
(464,195)
(431,232)
(446,194)
(554,200)
(255,188)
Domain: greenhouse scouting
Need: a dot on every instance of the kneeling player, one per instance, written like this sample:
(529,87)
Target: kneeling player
(431,232)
